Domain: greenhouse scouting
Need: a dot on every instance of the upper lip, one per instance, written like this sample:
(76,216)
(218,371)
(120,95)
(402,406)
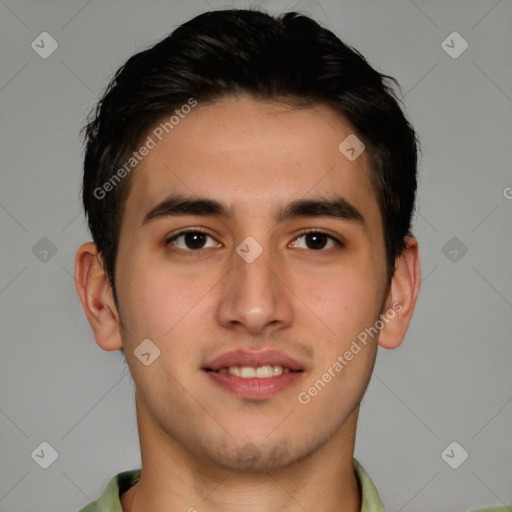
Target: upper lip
(244,357)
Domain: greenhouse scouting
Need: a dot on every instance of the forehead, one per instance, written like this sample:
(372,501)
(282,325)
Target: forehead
(251,154)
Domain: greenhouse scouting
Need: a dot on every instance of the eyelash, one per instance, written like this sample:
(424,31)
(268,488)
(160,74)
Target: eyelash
(303,232)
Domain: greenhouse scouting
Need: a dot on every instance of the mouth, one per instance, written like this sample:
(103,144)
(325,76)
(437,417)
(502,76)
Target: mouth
(254,375)
(248,372)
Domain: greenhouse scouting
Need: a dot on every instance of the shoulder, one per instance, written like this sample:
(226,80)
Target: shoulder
(110,501)
(371,501)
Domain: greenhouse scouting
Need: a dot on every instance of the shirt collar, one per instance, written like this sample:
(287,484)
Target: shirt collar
(371,501)
(110,499)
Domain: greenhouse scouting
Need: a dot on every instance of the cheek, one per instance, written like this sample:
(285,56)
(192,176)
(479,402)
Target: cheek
(159,299)
(160,307)
(346,301)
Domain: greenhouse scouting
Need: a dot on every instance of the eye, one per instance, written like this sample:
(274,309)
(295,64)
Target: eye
(192,240)
(316,240)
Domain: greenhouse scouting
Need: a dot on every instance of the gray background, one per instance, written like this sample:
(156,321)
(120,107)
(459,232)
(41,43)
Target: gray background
(449,381)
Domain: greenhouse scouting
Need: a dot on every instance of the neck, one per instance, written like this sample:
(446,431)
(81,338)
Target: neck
(174,479)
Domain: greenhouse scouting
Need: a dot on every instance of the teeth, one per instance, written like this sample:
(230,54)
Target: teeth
(248,372)
(234,370)
(264,372)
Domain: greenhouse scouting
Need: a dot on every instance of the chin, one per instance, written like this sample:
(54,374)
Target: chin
(257,457)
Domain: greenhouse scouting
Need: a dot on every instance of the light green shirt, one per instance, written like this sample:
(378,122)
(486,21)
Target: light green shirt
(110,500)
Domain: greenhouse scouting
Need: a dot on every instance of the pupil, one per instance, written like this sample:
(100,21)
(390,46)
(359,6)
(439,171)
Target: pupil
(195,240)
(318,240)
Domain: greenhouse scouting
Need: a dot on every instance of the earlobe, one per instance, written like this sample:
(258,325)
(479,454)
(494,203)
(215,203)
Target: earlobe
(402,296)
(95,293)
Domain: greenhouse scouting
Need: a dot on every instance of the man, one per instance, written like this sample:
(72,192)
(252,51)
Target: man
(249,184)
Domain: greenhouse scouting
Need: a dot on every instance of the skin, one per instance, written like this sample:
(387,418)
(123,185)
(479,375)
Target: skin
(310,303)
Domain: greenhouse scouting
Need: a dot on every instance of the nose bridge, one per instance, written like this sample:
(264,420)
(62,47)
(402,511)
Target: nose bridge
(255,273)
(252,276)
(253,295)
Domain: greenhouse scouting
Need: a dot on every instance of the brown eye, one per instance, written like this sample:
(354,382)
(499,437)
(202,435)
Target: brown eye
(192,240)
(315,241)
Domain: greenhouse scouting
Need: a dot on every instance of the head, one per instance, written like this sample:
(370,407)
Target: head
(248,110)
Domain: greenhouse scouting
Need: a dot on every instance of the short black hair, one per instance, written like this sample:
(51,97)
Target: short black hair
(287,58)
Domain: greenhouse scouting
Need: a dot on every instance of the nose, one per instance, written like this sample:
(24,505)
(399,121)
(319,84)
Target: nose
(255,297)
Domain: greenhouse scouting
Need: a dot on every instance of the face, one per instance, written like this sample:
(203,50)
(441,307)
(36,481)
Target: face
(253,282)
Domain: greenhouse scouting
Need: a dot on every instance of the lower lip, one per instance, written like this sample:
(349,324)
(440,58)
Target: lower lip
(253,387)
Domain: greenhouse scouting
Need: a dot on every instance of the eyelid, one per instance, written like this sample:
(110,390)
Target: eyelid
(184,231)
(335,238)
(188,230)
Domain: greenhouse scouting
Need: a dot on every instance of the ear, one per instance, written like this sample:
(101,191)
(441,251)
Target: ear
(402,296)
(95,293)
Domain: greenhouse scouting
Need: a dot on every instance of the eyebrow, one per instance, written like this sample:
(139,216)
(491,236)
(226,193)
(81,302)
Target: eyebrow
(175,205)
